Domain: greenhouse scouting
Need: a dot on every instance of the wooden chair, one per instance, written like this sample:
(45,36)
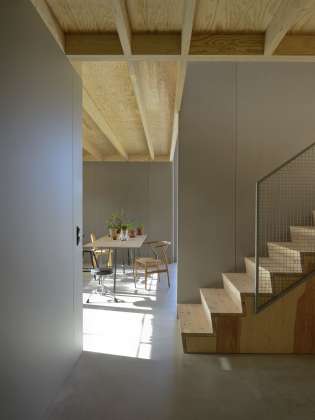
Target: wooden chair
(158,264)
(99,252)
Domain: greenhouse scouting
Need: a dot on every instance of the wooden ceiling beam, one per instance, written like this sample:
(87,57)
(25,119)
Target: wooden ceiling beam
(49,19)
(227,44)
(133,158)
(125,36)
(174,136)
(288,13)
(90,107)
(186,36)
(92,149)
(92,44)
(203,47)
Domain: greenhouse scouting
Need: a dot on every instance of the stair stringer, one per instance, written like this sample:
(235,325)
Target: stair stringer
(287,326)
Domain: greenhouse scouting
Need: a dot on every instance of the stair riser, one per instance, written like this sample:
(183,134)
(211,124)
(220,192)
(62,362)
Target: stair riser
(206,309)
(265,277)
(232,291)
(302,236)
(279,253)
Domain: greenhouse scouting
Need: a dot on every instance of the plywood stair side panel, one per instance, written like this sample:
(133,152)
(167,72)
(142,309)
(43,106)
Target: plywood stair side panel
(285,327)
(238,285)
(226,320)
(196,329)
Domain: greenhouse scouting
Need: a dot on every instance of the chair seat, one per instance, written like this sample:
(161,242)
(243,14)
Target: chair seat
(102,271)
(149,262)
(100,251)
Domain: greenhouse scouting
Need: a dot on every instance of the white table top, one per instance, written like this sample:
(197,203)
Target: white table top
(107,242)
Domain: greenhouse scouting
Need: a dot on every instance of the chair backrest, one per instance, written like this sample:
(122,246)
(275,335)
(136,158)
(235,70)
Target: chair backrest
(93,237)
(89,260)
(159,249)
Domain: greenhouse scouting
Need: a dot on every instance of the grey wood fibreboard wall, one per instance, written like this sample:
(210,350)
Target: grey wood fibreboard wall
(237,123)
(143,190)
(40,118)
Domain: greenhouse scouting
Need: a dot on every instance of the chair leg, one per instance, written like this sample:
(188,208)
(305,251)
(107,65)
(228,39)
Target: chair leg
(134,274)
(168,278)
(145,278)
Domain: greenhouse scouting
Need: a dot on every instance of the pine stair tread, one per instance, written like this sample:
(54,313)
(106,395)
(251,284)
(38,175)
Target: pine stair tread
(242,282)
(193,319)
(219,302)
(302,233)
(295,246)
(275,266)
(306,228)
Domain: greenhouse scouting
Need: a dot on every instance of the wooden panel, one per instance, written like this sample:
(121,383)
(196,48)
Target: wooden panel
(155,44)
(174,135)
(272,330)
(306,24)
(155,15)
(193,320)
(78,44)
(199,343)
(110,87)
(94,112)
(228,334)
(135,158)
(157,82)
(304,334)
(287,14)
(297,45)
(227,44)
(50,21)
(92,133)
(285,326)
(83,15)
(157,47)
(219,302)
(236,15)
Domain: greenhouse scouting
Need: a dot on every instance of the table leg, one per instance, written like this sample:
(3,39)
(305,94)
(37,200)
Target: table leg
(115,268)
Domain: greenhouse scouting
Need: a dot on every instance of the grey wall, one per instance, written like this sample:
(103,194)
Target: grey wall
(40,120)
(143,190)
(238,122)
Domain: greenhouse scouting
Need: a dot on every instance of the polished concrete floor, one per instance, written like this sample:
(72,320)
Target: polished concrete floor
(144,375)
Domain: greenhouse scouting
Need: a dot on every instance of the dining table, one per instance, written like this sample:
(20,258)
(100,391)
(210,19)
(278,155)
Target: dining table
(106,242)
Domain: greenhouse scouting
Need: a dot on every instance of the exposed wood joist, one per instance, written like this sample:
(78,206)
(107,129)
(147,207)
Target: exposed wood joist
(188,20)
(288,13)
(50,21)
(92,149)
(90,107)
(187,27)
(132,158)
(204,47)
(108,45)
(174,136)
(124,32)
(227,44)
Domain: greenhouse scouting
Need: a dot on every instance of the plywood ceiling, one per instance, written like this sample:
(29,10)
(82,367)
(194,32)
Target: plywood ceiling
(132,57)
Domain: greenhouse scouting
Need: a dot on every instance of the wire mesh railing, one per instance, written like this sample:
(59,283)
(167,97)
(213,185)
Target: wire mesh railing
(285,232)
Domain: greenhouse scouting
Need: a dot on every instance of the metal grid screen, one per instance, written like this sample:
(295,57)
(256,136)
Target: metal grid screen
(285,232)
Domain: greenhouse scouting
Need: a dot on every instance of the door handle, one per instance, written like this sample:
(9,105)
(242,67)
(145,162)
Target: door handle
(78,235)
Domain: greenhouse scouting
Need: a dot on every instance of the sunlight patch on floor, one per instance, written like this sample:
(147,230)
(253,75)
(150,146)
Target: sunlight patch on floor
(117,332)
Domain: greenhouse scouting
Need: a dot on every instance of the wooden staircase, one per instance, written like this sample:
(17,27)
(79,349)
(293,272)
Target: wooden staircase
(226,322)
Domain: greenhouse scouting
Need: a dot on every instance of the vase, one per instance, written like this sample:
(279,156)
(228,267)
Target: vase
(124,235)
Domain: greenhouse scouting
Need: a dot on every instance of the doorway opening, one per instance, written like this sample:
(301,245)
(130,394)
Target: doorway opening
(125,312)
